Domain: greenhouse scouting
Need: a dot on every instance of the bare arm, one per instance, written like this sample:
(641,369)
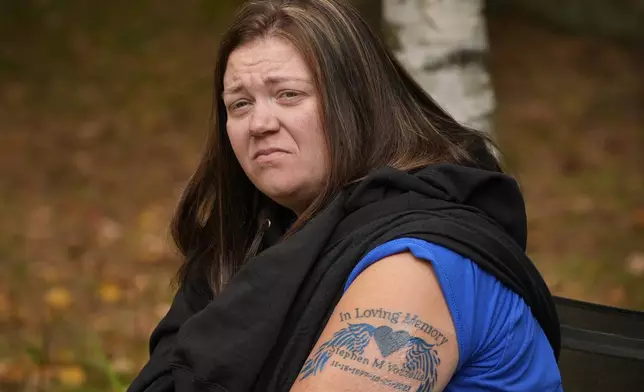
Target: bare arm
(391,331)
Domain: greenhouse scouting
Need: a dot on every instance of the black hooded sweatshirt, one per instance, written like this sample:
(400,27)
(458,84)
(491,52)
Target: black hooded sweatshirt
(257,333)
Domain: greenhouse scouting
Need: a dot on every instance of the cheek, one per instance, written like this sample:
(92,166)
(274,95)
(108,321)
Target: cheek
(308,133)
(315,141)
(237,140)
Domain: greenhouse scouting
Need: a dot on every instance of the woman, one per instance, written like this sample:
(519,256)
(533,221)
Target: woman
(343,233)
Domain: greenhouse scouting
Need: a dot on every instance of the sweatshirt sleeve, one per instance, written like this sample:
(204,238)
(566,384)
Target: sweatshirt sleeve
(156,375)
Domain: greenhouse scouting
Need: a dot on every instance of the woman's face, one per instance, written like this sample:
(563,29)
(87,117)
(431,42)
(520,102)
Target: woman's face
(274,123)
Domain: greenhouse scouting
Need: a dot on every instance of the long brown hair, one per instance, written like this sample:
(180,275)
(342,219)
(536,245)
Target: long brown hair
(373,113)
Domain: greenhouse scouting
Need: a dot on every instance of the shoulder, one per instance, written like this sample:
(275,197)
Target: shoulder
(495,330)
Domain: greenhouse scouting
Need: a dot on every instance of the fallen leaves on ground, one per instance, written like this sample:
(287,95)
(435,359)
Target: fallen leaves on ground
(5,306)
(635,263)
(58,298)
(638,218)
(71,376)
(110,293)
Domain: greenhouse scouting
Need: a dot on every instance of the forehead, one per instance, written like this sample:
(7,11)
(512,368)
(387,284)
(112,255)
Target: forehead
(265,58)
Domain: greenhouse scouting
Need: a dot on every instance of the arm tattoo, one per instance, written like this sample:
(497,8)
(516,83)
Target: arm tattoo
(347,349)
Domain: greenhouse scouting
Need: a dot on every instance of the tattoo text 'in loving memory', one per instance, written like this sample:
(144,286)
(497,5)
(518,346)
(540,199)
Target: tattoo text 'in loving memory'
(395,318)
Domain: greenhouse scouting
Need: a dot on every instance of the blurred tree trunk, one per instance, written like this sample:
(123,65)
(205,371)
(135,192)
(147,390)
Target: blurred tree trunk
(443,44)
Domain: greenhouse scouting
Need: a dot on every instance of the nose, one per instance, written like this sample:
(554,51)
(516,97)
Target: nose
(263,120)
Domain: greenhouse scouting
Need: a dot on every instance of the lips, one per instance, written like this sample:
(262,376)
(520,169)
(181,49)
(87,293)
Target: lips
(267,151)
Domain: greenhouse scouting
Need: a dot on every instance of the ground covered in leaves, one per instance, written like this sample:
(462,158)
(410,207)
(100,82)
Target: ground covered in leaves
(102,116)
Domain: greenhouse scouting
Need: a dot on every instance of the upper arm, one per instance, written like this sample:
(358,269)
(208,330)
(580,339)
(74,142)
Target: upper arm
(391,331)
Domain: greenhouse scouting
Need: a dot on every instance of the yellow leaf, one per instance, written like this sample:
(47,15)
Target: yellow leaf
(71,376)
(58,298)
(110,293)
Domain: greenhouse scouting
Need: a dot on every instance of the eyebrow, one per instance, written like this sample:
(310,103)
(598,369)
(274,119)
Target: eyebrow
(271,80)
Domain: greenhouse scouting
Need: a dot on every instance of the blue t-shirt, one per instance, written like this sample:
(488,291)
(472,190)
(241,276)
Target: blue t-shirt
(501,345)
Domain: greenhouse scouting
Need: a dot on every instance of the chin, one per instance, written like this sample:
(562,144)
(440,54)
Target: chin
(289,188)
(281,191)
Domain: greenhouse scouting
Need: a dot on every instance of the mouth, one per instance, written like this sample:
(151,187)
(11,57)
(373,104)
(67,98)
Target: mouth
(267,152)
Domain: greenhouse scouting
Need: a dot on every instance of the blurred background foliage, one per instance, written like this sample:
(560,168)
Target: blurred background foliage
(104,108)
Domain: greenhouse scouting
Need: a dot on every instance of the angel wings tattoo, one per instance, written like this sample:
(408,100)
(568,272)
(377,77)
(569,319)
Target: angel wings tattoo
(421,357)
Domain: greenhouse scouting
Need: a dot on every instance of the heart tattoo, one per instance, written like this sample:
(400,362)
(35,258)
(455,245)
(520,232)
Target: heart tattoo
(389,341)
(348,344)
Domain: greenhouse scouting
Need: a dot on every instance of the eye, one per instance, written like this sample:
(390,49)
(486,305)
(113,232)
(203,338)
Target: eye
(289,94)
(237,105)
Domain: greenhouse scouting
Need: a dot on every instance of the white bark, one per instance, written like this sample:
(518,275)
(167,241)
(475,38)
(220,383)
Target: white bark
(441,44)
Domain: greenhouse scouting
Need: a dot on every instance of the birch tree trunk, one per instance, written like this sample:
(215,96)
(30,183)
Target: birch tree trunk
(443,43)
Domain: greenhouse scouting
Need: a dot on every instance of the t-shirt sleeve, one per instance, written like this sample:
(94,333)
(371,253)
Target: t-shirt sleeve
(501,345)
